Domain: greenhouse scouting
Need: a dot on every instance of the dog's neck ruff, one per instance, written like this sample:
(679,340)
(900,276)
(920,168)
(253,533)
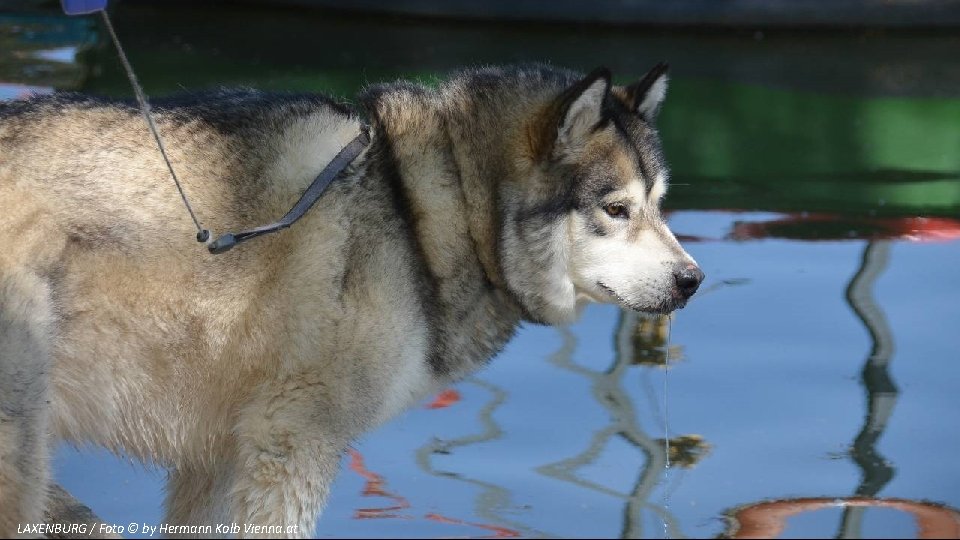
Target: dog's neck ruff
(341,161)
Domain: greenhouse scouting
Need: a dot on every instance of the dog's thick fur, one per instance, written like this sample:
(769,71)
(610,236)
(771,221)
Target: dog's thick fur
(502,195)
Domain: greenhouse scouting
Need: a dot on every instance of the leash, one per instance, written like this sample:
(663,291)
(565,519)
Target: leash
(227,241)
(342,160)
(202,234)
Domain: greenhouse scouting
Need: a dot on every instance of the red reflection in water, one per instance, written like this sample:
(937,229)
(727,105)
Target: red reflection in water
(444,399)
(768,519)
(498,532)
(376,487)
(837,227)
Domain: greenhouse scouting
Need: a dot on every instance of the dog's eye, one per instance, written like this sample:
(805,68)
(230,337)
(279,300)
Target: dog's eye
(617,210)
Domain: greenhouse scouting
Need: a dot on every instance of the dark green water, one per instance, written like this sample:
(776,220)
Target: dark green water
(816,178)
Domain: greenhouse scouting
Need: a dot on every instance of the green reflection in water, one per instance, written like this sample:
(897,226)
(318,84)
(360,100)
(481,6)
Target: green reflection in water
(38,50)
(738,146)
(748,125)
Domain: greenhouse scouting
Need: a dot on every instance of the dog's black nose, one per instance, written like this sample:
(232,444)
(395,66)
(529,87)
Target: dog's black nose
(689,277)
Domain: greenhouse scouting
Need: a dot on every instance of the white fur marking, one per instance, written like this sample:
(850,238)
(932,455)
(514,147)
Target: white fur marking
(654,97)
(584,112)
(308,145)
(637,272)
(659,188)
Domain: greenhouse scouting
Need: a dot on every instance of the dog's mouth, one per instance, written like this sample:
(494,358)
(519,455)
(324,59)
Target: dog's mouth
(663,308)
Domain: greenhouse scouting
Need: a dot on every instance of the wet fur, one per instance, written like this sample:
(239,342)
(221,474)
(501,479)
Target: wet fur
(248,373)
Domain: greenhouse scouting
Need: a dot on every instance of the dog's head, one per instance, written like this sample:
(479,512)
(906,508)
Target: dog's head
(582,221)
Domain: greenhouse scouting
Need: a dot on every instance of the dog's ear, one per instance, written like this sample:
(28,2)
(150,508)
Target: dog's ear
(581,106)
(645,96)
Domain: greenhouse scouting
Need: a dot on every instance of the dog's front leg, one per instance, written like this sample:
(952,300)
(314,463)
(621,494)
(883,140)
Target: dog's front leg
(288,454)
(198,496)
(260,495)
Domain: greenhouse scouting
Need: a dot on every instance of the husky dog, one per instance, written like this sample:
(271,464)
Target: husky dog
(502,195)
